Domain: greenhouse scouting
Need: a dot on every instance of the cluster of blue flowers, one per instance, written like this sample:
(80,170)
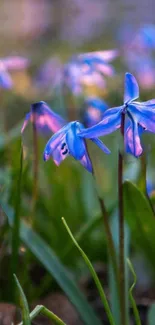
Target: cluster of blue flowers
(69,137)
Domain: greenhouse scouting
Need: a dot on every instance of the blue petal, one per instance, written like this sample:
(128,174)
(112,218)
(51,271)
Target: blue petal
(149,103)
(105,56)
(75,144)
(132,138)
(54,142)
(27,119)
(111,122)
(144,115)
(95,108)
(101,145)
(45,119)
(131,91)
(86,162)
(5,80)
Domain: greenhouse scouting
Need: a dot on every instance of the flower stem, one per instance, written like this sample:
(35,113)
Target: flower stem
(35,171)
(121,233)
(109,238)
(110,242)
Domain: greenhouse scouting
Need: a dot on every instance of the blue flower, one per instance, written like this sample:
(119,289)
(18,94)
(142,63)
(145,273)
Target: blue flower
(67,142)
(88,69)
(139,116)
(94,110)
(46,121)
(7,64)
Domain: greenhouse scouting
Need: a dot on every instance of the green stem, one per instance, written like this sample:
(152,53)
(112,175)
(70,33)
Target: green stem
(35,171)
(46,312)
(121,234)
(94,275)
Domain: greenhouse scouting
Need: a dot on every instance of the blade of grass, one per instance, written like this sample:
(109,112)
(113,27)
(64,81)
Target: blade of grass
(94,275)
(52,264)
(133,303)
(23,303)
(46,312)
(15,231)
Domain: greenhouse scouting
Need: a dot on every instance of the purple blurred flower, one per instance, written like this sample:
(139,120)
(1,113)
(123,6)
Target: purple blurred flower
(67,142)
(88,69)
(139,116)
(138,54)
(94,109)
(10,64)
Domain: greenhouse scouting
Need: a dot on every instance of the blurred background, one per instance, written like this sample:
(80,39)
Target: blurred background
(49,33)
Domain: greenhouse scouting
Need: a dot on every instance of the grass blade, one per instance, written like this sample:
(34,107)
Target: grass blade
(52,264)
(23,303)
(46,312)
(94,275)
(133,303)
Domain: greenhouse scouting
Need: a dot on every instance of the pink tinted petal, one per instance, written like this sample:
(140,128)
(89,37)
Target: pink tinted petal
(132,139)
(106,69)
(93,78)
(60,154)
(86,162)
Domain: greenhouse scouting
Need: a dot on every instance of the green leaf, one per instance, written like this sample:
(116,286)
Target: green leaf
(140,219)
(151,315)
(52,264)
(94,275)
(46,312)
(24,304)
(133,303)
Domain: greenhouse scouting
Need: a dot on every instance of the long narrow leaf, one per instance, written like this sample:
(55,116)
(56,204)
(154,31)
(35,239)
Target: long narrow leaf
(94,275)
(23,303)
(139,216)
(133,303)
(47,257)
(44,311)
(151,315)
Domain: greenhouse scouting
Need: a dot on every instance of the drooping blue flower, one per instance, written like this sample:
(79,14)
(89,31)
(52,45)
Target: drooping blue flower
(46,121)
(67,142)
(94,108)
(88,69)
(139,116)
(9,64)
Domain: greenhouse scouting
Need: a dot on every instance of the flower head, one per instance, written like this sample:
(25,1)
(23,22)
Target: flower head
(139,116)
(7,64)
(67,142)
(88,69)
(94,110)
(46,121)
